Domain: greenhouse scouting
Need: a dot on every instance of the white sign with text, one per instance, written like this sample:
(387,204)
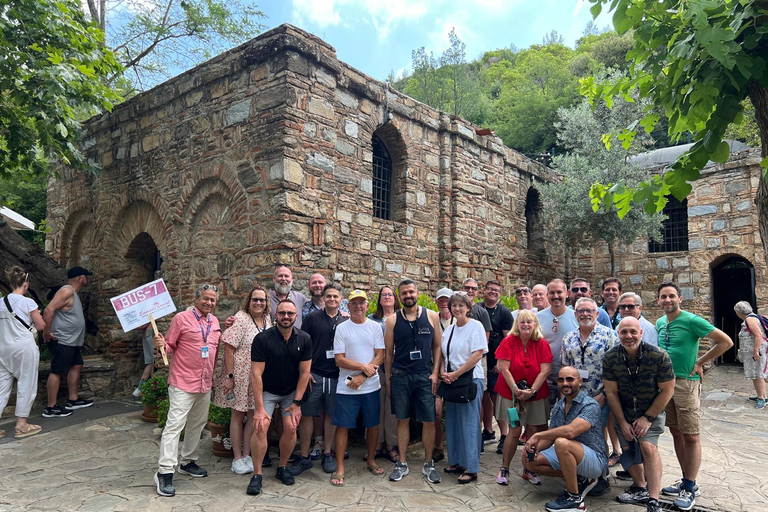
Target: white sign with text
(133,308)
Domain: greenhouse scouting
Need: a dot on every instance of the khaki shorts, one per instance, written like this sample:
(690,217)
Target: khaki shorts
(531,413)
(683,410)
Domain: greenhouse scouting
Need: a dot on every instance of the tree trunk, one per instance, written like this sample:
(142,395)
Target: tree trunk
(45,275)
(759,97)
(612,253)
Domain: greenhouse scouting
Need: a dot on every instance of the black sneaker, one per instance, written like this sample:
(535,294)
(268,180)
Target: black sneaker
(79,403)
(267,462)
(602,487)
(254,486)
(285,476)
(56,412)
(623,475)
(192,469)
(586,485)
(488,437)
(500,446)
(165,484)
(566,501)
(301,465)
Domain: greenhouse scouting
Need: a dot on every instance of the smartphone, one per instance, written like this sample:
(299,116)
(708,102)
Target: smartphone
(349,378)
(531,455)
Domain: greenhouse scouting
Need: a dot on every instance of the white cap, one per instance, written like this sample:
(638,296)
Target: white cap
(444,292)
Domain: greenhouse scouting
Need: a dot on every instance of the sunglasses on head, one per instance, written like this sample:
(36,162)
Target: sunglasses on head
(577,289)
(569,380)
(210,287)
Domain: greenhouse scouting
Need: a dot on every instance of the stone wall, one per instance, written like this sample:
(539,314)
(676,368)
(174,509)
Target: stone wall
(264,154)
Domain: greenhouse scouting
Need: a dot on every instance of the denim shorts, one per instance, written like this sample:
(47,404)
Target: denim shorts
(320,397)
(589,467)
(349,407)
(412,390)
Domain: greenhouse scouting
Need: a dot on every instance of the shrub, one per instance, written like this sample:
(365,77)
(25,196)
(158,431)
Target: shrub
(219,415)
(155,389)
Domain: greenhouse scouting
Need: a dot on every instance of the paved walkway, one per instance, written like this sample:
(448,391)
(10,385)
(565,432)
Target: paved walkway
(107,464)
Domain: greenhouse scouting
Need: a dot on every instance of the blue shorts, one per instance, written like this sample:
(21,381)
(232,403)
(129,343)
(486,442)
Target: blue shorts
(321,397)
(589,467)
(349,407)
(412,390)
(605,412)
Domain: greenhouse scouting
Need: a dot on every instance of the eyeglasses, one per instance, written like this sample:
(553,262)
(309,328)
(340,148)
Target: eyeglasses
(258,300)
(210,287)
(357,304)
(554,324)
(630,307)
(386,295)
(289,314)
(569,380)
(470,288)
(521,291)
(585,311)
(577,289)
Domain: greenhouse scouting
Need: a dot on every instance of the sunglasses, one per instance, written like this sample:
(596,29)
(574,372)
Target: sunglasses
(258,300)
(630,307)
(585,311)
(569,380)
(577,289)
(554,324)
(521,291)
(211,287)
(289,314)
(471,288)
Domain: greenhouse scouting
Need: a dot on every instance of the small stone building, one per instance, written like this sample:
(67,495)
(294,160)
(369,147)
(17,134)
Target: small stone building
(278,152)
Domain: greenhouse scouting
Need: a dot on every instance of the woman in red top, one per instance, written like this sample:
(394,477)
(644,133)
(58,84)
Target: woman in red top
(523,355)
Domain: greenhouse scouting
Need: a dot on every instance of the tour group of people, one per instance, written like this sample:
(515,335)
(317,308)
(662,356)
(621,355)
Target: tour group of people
(579,387)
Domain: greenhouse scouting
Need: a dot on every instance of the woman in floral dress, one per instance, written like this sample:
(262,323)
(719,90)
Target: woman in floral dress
(235,378)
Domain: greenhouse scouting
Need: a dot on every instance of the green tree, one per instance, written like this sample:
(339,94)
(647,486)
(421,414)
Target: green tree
(577,225)
(698,61)
(52,73)
(154,39)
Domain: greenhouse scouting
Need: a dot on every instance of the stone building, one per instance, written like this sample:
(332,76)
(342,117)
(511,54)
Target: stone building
(278,152)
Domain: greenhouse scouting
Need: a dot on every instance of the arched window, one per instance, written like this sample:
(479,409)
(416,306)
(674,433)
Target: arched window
(674,229)
(533,228)
(382,179)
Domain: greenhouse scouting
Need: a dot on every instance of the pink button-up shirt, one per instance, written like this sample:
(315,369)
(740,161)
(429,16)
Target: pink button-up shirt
(189,371)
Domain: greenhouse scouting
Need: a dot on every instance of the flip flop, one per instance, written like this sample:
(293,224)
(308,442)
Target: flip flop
(453,470)
(339,480)
(375,469)
(29,431)
(465,478)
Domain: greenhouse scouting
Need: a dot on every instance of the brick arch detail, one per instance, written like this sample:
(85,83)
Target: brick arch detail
(78,221)
(201,184)
(723,254)
(136,217)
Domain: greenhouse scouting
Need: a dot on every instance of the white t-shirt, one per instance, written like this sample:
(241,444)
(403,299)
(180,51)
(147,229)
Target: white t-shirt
(466,339)
(358,342)
(21,305)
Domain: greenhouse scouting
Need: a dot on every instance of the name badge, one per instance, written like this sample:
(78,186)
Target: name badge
(204,351)
(329,354)
(584,374)
(415,355)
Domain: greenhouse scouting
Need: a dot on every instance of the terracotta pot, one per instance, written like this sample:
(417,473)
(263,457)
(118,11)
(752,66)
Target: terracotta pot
(218,448)
(150,413)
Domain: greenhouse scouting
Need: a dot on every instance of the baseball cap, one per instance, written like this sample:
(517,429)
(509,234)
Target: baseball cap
(356,294)
(78,271)
(444,292)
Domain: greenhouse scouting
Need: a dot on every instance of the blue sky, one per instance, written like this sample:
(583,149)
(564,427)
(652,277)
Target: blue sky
(377,36)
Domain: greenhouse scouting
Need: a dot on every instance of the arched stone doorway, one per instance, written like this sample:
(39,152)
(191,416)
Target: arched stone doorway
(733,279)
(143,259)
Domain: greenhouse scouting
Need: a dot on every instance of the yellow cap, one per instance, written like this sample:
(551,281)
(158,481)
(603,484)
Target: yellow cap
(356,294)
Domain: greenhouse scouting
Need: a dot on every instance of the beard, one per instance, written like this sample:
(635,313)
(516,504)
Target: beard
(283,290)
(409,301)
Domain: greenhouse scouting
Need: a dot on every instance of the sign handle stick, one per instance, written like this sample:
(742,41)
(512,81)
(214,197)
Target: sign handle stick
(162,349)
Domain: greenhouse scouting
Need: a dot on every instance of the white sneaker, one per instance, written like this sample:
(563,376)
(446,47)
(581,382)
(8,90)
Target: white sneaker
(136,393)
(240,467)
(249,462)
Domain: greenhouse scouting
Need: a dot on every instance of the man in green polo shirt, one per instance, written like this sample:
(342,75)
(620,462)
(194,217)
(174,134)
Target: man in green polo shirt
(679,333)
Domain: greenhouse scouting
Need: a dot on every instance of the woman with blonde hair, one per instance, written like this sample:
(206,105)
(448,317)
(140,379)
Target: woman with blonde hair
(752,349)
(233,388)
(524,360)
(19,355)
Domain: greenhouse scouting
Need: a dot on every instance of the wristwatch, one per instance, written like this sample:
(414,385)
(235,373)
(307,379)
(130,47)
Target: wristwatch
(649,418)
(297,402)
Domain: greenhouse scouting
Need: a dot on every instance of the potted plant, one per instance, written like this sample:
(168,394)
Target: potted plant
(218,424)
(153,391)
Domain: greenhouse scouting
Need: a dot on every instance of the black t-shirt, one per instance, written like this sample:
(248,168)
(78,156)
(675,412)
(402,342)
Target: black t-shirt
(321,329)
(501,320)
(281,359)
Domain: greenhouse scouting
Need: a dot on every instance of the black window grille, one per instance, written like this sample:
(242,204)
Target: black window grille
(674,230)
(382,180)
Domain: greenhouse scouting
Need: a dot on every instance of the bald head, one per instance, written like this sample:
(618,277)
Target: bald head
(316,285)
(569,381)
(630,334)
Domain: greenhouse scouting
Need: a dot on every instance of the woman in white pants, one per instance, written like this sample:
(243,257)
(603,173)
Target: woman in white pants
(19,356)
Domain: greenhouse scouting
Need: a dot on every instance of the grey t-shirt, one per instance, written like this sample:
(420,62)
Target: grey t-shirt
(565,323)
(480,314)
(297,298)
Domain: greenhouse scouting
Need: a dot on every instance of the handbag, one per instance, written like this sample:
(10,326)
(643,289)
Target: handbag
(30,328)
(463,390)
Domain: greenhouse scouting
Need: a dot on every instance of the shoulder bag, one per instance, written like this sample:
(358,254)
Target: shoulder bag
(463,390)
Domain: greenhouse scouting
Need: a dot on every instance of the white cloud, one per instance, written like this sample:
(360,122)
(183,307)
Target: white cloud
(382,14)
(320,12)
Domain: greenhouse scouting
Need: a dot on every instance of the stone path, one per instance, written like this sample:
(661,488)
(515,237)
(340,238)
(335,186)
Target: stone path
(107,464)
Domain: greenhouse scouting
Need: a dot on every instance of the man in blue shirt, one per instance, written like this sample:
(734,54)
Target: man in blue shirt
(580,288)
(573,448)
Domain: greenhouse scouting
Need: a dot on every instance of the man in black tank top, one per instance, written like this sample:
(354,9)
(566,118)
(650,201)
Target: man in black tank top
(412,338)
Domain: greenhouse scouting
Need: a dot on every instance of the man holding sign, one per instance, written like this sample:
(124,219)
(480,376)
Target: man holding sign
(193,339)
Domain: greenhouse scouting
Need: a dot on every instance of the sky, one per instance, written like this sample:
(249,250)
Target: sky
(377,36)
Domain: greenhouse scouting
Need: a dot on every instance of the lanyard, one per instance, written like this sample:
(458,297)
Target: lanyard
(410,324)
(206,332)
(450,322)
(263,321)
(335,320)
(632,378)
(584,346)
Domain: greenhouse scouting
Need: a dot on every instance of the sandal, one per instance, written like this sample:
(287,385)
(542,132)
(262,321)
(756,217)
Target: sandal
(378,455)
(394,455)
(375,469)
(465,478)
(29,431)
(339,480)
(453,470)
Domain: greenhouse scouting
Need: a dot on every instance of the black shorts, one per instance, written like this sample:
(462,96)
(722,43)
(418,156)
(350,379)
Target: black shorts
(63,357)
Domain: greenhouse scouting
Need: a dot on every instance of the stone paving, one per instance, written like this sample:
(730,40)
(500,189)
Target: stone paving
(107,464)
